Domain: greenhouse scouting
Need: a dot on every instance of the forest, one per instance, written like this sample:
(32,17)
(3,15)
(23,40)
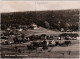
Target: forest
(50,19)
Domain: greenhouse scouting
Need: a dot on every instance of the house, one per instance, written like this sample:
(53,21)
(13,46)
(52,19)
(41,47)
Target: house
(43,36)
(20,29)
(8,29)
(33,26)
(62,29)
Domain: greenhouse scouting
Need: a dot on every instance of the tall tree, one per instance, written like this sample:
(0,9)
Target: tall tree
(47,24)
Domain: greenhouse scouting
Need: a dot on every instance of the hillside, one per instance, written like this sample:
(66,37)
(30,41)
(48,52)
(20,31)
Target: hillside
(40,31)
(39,17)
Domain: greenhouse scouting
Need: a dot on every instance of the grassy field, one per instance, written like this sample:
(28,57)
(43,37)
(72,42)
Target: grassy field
(42,30)
(52,52)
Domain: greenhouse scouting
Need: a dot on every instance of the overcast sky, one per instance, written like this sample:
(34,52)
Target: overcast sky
(16,6)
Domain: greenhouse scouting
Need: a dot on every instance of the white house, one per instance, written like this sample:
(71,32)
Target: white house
(20,29)
(34,26)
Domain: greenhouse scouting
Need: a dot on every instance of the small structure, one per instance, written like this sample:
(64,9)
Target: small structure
(20,29)
(8,29)
(43,36)
(62,29)
(34,26)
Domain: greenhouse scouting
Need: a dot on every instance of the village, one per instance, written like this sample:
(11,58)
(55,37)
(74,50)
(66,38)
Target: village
(40,29)
(47,39)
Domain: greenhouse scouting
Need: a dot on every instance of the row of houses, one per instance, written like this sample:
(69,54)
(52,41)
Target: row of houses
(33,26)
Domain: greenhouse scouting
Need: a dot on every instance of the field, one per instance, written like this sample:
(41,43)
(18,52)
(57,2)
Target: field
(71,51)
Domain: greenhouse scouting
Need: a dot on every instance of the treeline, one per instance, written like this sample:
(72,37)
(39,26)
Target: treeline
(66,19)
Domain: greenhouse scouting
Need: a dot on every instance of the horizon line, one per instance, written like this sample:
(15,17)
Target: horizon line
(39,10)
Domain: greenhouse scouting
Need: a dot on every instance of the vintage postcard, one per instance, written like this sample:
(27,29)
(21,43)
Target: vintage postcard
(39,29)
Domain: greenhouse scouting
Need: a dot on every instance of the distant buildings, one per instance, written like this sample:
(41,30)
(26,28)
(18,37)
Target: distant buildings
(33,26)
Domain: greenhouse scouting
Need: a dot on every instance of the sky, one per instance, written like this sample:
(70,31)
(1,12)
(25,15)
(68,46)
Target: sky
(20,6)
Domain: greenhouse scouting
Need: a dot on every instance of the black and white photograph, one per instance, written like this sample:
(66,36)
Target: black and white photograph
(39,29)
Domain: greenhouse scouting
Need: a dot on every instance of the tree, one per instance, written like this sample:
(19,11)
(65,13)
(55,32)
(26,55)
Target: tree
(47,24)
(67,26)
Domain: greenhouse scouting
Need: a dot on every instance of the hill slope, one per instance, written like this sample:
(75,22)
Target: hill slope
(39,17)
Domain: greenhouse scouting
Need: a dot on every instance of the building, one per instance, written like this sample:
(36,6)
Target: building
(34,26)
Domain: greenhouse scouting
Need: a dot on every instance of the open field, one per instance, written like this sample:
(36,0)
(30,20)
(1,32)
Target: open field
(42,30)
(51,52)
